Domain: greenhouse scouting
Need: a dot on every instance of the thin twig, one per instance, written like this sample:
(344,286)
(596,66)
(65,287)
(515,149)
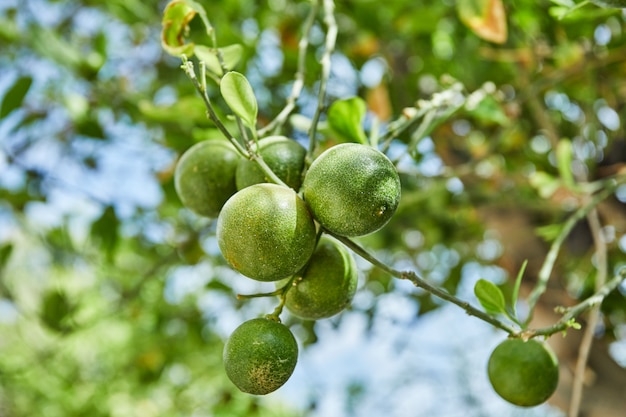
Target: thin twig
(329,48)
(548,264)
(594,314)
(572,312)
(246,152)
(421,283)
(298,84)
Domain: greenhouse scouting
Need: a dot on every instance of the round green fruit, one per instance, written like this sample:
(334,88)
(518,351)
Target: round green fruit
(205,176)
(523,373)
(615,4)
(284,156)
(266,232)
(327,285)
(260,356)
(352,189)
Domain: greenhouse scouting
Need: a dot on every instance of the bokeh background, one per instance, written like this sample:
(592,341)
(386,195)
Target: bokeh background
(114,299)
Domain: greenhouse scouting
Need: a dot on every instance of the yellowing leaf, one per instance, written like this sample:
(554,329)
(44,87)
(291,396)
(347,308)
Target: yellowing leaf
(486,18)
(175,25)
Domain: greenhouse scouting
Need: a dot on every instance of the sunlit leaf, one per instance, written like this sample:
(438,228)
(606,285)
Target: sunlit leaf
(238,94)
(231,55)
(345,118)
(545,183)
(488,110)
(486,18)
(15,96)
(489,296)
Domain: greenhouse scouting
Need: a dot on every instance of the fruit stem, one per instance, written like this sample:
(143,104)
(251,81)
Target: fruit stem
(421,283)
(329,48)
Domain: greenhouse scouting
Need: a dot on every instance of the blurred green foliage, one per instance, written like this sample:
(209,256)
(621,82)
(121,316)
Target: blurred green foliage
(88,322)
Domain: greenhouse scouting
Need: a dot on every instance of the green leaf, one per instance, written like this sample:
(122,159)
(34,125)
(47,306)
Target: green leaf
(231,55)
(15,96)
(486,18)
(5,254)
(239,96)
(518,283)
(345,118)
(490,296)
(545,183)
(106,230)
(564,162)
(488,110)
(56,309)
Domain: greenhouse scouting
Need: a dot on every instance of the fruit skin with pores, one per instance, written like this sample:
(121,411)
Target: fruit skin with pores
(260,356)
(524,373)
(284,156)
(205,176)
(266,232)
(327,285)
(352,189)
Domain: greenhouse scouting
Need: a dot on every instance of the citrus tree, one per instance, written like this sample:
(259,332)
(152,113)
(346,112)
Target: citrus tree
(193,191)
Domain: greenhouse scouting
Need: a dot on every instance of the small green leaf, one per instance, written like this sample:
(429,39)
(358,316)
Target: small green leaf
(490,296)
(518,283)
(545,183)
(564,162)
(490,111)
(239,96)
(345,118)
(231,55)
(106,231)
(15,96)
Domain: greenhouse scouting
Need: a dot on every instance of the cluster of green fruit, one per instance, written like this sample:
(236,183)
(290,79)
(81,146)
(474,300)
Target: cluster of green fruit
(271,232)
(274,233)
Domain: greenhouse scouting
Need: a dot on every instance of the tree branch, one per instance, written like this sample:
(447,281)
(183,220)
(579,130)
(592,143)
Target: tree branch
(329,48)
(298,83)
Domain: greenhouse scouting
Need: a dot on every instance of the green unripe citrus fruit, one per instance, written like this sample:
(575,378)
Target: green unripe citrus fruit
(205,176)
(260,356)
(266,232)
(617,4)
(352,189)
(327,285)
(284,156)
(523,373)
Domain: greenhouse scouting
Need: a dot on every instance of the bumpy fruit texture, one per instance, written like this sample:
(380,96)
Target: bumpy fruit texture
(266,232)
(205,176)
(260,356)
(616,4)
(327,285)
(284,156)
(352,189)
(523,373)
